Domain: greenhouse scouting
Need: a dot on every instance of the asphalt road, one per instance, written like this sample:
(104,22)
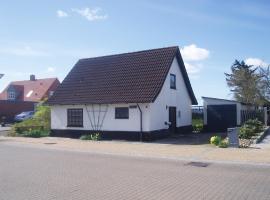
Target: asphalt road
(28,173)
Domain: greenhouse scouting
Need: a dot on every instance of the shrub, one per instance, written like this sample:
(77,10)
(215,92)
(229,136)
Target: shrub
(250,128)
(35,133)
(223,144)
(215,140)
(40,122)
(95,137)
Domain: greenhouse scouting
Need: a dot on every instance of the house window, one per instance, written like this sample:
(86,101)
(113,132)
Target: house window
(51,93)
(121,113)
(11,95)
(75,117)
(172,81)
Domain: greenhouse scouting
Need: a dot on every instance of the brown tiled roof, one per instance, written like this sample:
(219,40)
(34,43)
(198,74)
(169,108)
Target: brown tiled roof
(123,78)
(39,88)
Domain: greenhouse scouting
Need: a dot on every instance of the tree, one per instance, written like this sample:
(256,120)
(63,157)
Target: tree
(264,85)
(244,82)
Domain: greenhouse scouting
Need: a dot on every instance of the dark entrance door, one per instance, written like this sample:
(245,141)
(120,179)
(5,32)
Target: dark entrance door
(221,117)
(172,119)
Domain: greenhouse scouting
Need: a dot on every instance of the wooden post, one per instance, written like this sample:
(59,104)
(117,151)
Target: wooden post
(265,116)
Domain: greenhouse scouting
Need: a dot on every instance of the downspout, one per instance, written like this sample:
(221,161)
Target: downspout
(141,128)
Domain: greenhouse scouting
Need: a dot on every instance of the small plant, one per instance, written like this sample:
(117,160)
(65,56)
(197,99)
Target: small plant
(250,129)
(215,140)
(35,133)
(197,127)
(223,144)
(95,137)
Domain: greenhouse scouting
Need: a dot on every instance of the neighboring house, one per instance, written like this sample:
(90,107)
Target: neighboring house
(30,90)
(220,114)
(21,96)
(139,95)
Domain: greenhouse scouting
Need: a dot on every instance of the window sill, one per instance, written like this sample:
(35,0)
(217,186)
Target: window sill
(69,126)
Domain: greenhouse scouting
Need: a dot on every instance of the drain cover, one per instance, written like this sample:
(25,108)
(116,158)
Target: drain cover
(198,164)
(49,143)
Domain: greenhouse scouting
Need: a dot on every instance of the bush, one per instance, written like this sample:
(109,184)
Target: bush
(35,133)
(215,140)
(40,122)
(95,137)
(223,144)
(250,129)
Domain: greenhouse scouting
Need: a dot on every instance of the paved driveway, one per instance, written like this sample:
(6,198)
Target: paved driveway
(28,173)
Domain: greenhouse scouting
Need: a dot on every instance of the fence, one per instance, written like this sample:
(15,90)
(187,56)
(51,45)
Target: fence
(252,114)
(197,112)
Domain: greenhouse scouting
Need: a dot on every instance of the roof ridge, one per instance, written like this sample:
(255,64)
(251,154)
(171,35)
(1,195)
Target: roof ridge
(38,79)
(132,52)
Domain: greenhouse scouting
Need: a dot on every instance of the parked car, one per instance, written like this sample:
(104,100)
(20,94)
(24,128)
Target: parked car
(24,116)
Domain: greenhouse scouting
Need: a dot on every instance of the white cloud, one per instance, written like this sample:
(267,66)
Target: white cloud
(193,68)
(90,14)
(194,53)
(193,57)
(51,69)
(61,14)
(256,62)
(22,51)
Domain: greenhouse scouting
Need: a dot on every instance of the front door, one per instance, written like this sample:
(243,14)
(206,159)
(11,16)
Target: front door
(172,119)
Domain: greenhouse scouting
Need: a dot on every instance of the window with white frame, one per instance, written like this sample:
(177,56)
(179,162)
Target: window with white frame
(121,113)
(11,95)
(75,117)
(172,81)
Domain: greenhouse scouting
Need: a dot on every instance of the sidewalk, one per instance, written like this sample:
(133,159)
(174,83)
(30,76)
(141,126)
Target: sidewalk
(154,150)
(4,130)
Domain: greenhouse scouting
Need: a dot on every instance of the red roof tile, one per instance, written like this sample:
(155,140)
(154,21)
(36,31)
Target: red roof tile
(32,90)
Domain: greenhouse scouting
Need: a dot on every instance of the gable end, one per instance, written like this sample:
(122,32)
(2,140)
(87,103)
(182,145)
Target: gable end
(185,77)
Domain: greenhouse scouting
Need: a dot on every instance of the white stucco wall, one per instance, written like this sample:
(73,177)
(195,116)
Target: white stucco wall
(59,117)
(179,97)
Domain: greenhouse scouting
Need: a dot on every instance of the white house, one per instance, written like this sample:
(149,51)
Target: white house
(138,95)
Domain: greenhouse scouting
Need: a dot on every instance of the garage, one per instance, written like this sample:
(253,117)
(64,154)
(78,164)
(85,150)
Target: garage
(221,117)
(220,114)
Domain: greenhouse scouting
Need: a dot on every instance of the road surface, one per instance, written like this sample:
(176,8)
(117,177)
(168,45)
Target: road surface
(28,173)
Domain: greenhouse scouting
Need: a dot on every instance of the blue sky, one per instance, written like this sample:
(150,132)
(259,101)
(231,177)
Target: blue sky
(47,38)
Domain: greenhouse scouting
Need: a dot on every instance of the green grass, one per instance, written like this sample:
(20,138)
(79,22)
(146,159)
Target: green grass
(197,121)
(197,125)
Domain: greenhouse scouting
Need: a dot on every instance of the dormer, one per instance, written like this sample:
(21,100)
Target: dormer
(11,93)
(14,92)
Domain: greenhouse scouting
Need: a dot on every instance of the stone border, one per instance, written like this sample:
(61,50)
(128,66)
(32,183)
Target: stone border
(262,135)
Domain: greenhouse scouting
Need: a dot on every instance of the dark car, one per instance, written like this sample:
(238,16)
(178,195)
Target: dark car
(24,116)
